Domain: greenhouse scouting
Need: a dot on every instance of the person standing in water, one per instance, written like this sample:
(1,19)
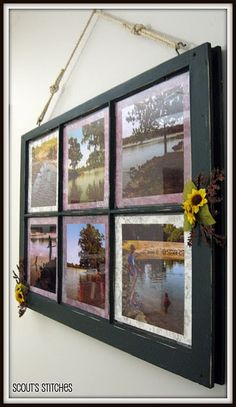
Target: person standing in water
(50,246)
(133,273)
(166,302)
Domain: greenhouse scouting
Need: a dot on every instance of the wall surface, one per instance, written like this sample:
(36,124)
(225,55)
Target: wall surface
(42,350)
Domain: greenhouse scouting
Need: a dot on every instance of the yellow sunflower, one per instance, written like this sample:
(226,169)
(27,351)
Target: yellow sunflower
(188,212)
(20,287)
(19,296)
(196,199)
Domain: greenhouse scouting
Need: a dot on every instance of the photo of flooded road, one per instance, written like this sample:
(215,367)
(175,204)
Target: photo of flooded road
(43,173)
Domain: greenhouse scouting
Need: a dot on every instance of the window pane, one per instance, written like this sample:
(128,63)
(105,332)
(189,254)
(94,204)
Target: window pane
(43,174)
(42,256)
(153,144)
(86,157)
(153,275)
(86,264)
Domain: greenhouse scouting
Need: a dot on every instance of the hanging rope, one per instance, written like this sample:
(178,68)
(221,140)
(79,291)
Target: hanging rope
(55,87)
(140,29)
(136,29)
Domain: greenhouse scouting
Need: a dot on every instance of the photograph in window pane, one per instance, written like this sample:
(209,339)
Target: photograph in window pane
(153,275)
(42,256)
(86,158)
(153,144)
(85,274)
(43,173)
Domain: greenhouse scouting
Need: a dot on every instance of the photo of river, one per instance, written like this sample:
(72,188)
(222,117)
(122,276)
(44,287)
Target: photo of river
(43,256)
(152,130)
(85,159)
(84,275)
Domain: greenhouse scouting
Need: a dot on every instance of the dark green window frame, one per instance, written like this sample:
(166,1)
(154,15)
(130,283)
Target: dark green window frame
(203,362)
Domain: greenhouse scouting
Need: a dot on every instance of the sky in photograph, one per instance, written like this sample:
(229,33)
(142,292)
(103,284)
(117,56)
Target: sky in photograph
(39,242)
(73,235)
(127,127)
(43,230)
(78,134)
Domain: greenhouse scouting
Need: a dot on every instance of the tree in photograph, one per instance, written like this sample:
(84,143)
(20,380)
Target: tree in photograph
(154,115)
(92,252)
(93,135)
(144,115)
(75,154)
(173,234)
(52,153)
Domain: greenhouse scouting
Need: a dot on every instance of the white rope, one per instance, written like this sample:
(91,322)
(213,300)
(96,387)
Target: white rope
(55,87)
(136,29)
(140,29)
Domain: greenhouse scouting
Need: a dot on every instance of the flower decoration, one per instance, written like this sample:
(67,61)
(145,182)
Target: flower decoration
(197,199)
(198,205)
(21,289)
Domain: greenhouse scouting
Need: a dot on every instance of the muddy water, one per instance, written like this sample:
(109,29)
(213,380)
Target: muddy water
(77,281)
(39,257)
(157,278)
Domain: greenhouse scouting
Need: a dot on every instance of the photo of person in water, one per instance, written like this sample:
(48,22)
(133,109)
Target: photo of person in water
(151,274)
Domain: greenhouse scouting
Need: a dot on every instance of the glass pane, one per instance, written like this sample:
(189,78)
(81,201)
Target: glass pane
(86,158)
(42,256)
(86,264)
(153,144)
(153,275)
(43,174)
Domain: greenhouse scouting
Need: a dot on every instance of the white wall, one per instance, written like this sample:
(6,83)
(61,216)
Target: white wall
(42,350)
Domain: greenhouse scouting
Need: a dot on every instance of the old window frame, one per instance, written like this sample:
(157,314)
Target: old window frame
(203,362)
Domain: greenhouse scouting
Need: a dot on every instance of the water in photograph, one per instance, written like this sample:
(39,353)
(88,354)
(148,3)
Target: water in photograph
(155,279)
(87,187)
(139,154)
(43,262)
(83,286)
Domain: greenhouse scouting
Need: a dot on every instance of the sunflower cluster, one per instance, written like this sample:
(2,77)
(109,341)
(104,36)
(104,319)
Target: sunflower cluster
(200,204)
(195,200)
(21,289)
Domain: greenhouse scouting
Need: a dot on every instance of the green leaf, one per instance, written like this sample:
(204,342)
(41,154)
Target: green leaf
(205,217)
(188,189)
(187,226)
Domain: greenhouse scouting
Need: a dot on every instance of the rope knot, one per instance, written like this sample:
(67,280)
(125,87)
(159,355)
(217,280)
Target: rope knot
(54,88)
(137,28)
